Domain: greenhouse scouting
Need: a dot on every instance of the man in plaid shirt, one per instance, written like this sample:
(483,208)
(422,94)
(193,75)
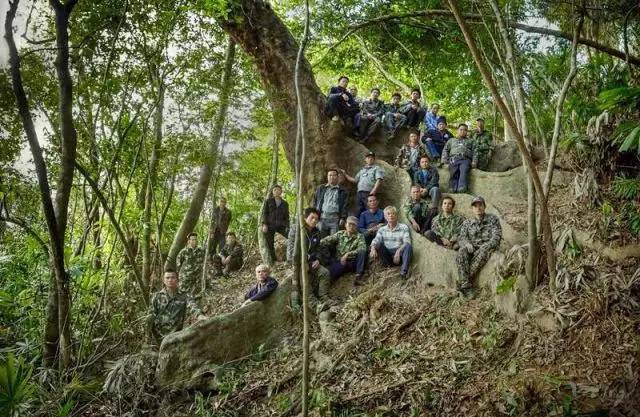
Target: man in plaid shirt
(392,243)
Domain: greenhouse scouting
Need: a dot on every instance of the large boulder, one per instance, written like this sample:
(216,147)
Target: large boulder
(187,357)
(497,187)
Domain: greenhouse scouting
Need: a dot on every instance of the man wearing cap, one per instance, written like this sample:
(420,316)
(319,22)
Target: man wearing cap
(458,153)
(371,220)
(392,244)
(371,112)
(479,236)
(413,110)
(417,211)
(445,227)
(431,118)
(393,119)
(483,145)
(350,251)
(436,139)
(331,200)
(369,180)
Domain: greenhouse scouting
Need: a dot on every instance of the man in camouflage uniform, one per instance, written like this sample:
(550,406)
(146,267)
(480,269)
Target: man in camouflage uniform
(410,153)
(170,308)
(479,237)
(371,112)
(458,154)
(483,145)
(393,119)
(230,257)
(221,220)
(190,263)
(350,251)
(445,227)
(417,211)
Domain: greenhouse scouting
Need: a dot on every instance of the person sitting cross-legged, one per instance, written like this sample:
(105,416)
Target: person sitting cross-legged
(417,211)
(265,285)
(393,119)
(170,308)
(479,237)
(436,139)
(371,112)
(409,155)
(427,178)
(458,153)
(371,220)
(230,258)
(445,227)
(413,110)
(350,251)
(392,244)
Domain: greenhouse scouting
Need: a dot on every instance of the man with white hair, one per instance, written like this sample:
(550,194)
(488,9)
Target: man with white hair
(264,287)
(392,243)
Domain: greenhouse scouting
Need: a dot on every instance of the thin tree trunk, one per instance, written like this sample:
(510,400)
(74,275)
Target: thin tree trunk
(273,180)
(197,200)
(519,139)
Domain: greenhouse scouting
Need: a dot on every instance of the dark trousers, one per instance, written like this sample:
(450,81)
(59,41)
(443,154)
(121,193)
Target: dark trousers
(233,265)
(393,124)
(459,175)
(414,117)
(217,242)
(362,200)
(386,256)
(337,106)
(424,220)
(367,128)
(357,265)
(433,237)
(434,149)
(270,236)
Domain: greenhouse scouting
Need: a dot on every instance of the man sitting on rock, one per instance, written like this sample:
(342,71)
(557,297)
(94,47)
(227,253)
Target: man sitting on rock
(371,220)
(190,261)
(369,180)
(393,119)
(479,237)
(371,112)
(427,178)
(436,139)
(445,227)
(413,109)
(458,153)
(320,279)
(170,308)
(340,103)
(264,287)
(331,200)
(483,145)
(230,257)
(417,211)
(409,155)
(350,251)
(392,243)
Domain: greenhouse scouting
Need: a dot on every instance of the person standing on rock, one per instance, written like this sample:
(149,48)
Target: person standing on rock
(427,178)
(275,219)
(369,180)
(417,211)
(230,258)
(170,308)
(479,237)
(221,220)
(431,118)
(331,200)
(371,112)
(483,145)
(320,278)
(264,287)
(371,220)
(393,119)
(392,244)
(350,251)
(413,110)
(190,262)
(341,104)
(410,153)
(445,227)
(458,154)
(436,139)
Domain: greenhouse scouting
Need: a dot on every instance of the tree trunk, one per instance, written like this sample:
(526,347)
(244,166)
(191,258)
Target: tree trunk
(273,180)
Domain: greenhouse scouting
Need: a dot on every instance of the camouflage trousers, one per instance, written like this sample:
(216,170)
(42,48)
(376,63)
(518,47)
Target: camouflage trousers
(470,261)
(320,282)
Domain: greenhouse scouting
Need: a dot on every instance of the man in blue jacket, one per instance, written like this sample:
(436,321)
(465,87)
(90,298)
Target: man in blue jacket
(331,200)
(371,220)
(265,286)
(435,140)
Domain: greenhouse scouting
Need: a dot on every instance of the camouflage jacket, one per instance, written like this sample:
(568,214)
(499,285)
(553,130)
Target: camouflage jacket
(403,157)
(408,208)
(457,148)
(344,243)
(169,312)
(190,262)
(374,108)
(447,227)
(478,232)
(483,145)
(236,251)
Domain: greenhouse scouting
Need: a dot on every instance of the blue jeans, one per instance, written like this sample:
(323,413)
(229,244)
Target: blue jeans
(434,194)
(357,265)
(432,148)
(459,175)
(386,256)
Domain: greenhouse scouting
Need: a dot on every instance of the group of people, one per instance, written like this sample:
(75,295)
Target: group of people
(338,243)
